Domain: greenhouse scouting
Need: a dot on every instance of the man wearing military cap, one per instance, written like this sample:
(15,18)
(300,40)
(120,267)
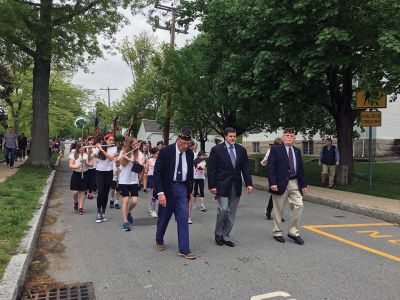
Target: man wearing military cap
(173,177)
(286,181)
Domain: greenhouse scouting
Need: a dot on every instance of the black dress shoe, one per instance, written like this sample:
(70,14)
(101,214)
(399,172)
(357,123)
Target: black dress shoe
(280,239)
(268,215)
(229,243)
(297,239)
(283,220)
(219,240)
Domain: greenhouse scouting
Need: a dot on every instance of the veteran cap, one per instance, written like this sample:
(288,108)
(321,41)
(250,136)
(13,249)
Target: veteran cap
(289,130)
(185,134)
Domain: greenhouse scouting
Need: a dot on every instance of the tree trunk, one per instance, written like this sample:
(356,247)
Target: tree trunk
(344,129)
(167,123)
(39,155)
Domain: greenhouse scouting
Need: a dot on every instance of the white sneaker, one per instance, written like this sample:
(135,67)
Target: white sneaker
(153,214)
(190,221)
(105,219)
(193,206)
(203,208)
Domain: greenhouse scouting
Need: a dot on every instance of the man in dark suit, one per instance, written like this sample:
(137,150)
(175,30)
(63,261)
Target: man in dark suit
(227,163)
(286,181)
(173,176)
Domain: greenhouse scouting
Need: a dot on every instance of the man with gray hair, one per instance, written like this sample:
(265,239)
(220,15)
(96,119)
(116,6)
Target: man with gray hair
(10,145)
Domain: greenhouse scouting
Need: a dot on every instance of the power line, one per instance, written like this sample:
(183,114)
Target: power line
(108,93)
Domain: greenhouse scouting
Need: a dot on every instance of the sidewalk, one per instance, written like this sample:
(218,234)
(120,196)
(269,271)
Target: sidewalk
(376,207)
(5,171)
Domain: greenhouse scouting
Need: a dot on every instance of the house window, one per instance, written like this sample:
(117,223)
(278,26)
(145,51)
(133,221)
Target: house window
(308,147)
(256,146)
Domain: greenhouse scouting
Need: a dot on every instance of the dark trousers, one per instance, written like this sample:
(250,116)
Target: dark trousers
(270,205)
(177,203)
(23,152)
(198,185)
(7,151)
(103,182)
(91,184)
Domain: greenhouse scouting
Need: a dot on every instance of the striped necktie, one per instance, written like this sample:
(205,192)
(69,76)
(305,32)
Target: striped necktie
(292,172)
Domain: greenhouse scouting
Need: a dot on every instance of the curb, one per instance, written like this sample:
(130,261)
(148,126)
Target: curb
(15,273)
(378,213)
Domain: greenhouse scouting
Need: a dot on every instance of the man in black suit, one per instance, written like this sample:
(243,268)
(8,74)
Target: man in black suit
(227,163)
(286,181)
(173,177)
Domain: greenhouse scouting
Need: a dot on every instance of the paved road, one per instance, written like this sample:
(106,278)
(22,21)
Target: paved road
(124,265)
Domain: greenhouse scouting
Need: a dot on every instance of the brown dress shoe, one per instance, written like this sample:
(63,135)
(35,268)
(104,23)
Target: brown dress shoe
(189,255)
(160,247)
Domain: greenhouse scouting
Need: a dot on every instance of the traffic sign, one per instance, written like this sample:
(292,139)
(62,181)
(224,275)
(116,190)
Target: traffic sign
(368,100)
(371,119)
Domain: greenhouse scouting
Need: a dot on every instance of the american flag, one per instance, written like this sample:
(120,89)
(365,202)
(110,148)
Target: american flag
(96,128)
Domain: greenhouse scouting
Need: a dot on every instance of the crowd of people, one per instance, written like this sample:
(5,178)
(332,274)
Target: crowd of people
(174,176)
(16,146)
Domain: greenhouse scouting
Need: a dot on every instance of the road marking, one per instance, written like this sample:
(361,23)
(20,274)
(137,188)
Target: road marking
(394,242)
(375,234)
(357,245)
(271,295)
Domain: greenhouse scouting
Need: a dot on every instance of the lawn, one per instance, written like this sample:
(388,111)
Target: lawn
(384,177)
(19,195)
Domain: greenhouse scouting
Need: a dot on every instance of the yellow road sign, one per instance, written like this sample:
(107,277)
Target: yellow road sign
(368,100)
(371,119)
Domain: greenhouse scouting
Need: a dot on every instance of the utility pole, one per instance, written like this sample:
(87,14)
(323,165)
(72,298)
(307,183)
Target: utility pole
(108,92)
(172,31)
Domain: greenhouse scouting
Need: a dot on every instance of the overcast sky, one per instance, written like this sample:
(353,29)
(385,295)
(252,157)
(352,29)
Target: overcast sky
(112,71)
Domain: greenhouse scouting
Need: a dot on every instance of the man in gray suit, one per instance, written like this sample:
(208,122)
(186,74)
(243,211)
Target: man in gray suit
(227,163)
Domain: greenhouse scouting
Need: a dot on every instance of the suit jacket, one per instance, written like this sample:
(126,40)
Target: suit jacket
(221,173)
(278,169)
(164,169)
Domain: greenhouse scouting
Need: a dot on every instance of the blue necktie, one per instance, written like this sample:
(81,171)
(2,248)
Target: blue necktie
(179,169)
(232,155)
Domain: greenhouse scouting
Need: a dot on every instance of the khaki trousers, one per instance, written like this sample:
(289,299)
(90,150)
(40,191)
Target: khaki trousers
(295,199)
(330,171)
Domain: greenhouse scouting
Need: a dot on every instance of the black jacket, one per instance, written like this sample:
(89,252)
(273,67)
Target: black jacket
(222,175)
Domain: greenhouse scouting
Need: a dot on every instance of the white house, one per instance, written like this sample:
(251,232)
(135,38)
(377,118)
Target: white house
(385,139)
(150,130)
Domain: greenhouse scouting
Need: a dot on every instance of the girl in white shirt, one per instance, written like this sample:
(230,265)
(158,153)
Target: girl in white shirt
(149,170)
(91,184)
(104,174)
(199,175)
(128,180)
(79,161)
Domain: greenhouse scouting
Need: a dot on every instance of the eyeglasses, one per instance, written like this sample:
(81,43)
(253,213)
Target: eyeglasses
(289,135)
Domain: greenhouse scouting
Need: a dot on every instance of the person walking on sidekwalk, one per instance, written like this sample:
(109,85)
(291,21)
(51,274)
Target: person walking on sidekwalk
(227,163)
(329,159)
(10,145)
(173,177)
(286,181)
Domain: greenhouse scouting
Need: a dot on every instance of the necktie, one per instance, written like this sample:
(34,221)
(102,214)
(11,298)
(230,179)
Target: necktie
(292,171)
(232,155)
(179,170)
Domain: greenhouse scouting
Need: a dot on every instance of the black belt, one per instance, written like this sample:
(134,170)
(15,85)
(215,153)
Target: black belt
(178,182)
(291,178)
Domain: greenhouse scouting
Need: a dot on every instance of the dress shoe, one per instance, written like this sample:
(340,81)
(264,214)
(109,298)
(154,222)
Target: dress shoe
(219,240)
(283,220)
(268,215)
(229,243)
(297,239)
(279,238)
(160,247)
(189,255)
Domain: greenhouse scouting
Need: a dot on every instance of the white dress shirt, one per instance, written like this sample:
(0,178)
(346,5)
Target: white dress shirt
(184,164)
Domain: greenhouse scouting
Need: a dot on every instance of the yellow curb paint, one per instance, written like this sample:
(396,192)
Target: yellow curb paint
(357,245)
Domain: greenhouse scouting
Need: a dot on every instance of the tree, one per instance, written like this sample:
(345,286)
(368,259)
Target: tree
(61,33)
(307,56)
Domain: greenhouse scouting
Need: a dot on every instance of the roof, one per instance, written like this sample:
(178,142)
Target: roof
(153,126)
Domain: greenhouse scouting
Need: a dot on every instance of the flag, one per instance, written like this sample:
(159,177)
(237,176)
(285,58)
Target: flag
(96,128)
(113,128)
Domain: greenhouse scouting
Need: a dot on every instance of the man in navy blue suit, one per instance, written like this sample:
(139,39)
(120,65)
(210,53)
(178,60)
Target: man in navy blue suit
(227,163)
(173,177)
(286,181)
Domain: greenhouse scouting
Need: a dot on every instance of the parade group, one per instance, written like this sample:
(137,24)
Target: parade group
(174,176)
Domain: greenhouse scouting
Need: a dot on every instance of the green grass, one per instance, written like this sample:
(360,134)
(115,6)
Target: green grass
(19,195)
(384,176)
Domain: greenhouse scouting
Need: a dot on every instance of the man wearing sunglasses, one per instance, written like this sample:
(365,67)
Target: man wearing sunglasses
(173,177)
